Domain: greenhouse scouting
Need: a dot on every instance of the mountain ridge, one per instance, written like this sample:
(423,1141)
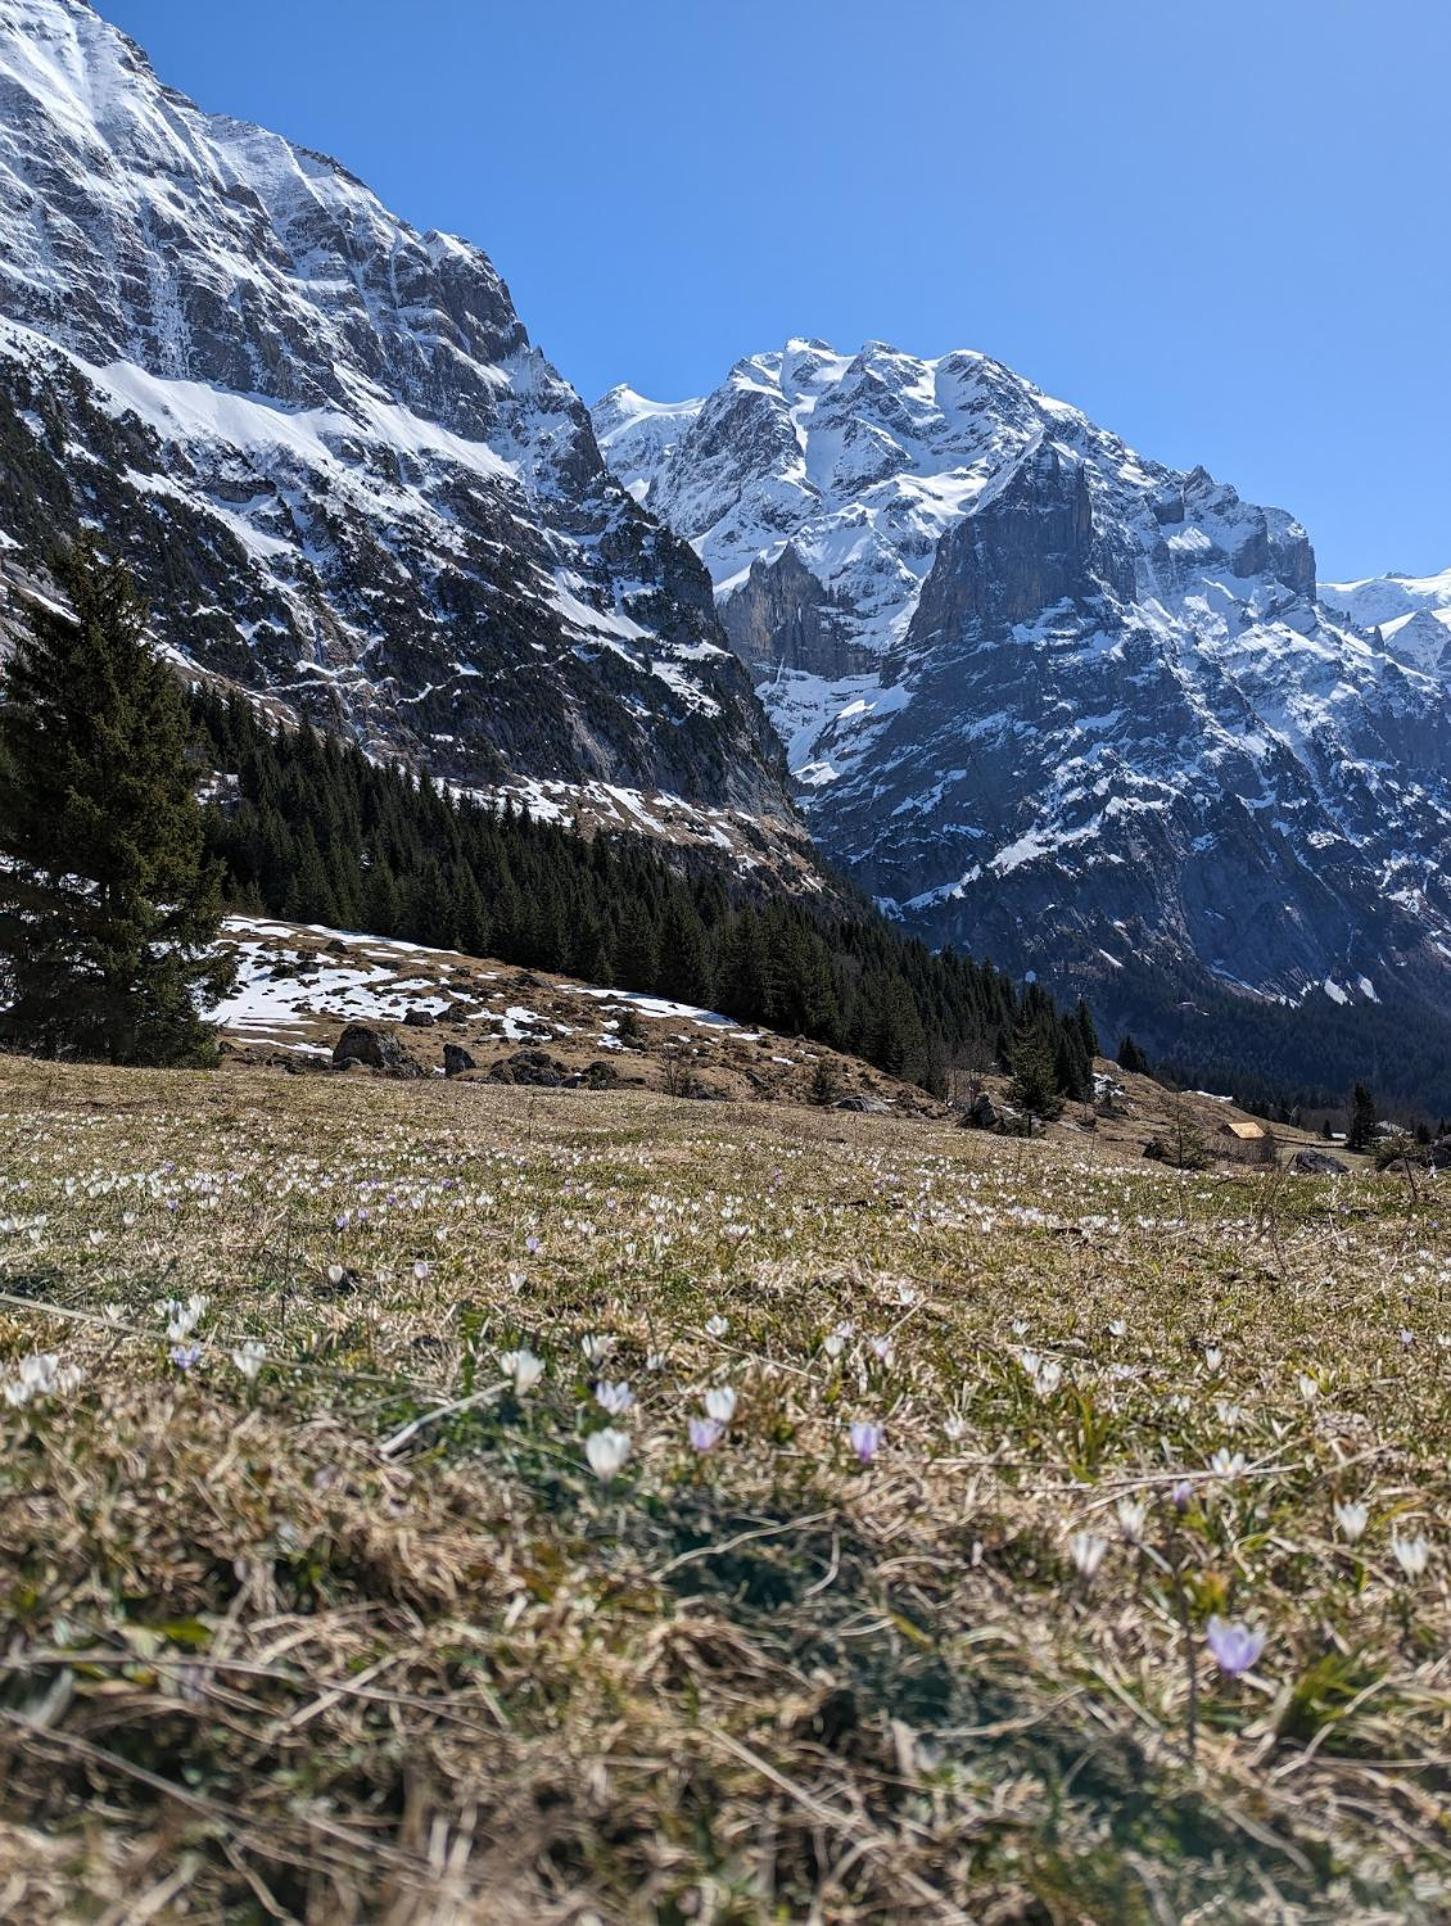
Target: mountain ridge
(327,446)
(1045,696)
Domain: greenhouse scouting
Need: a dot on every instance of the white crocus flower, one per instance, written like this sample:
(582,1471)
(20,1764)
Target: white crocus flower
(249,1357)
(720,1403)
(1086,1549)
(1412,1555)
(1352,1521)
(607,1450)
(523,1367)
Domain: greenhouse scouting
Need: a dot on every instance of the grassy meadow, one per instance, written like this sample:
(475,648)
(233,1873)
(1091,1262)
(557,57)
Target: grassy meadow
(427,1502)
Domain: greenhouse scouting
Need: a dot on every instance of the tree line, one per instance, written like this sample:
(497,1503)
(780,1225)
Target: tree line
(306,827)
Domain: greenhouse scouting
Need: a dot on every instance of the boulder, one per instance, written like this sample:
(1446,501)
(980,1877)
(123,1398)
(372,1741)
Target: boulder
(375,1049)
(533,1067)
(600,1076)
(1317,1163)
(982,1114)
(456,1060)
(870,1106)
(419,1019)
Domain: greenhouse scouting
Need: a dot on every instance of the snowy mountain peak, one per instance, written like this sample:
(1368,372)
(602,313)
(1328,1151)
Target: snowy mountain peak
(1047,696)
(327,445)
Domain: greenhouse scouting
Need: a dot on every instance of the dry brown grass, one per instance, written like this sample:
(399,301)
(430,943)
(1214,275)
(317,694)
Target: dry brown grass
(256,1666)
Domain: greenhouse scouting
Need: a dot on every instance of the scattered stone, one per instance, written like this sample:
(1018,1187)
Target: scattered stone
(871,1106)
(456,1060)
(419,1019)
(1317,1163)
(600,1076)
(375,1049)
(534,1067)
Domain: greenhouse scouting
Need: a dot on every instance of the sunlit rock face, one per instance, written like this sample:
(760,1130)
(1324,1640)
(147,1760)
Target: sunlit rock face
(328,447)
(1051,699)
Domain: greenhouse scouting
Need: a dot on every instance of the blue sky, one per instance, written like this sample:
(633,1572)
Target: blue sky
(1221,230)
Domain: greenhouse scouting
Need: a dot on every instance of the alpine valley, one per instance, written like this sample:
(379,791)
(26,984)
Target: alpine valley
(1041,697)
(1050,699)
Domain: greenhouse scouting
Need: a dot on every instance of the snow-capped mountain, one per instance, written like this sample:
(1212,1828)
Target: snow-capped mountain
(1056,701)
(329,448)
(1412,615)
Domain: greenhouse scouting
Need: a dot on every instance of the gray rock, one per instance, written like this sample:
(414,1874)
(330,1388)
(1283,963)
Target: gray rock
(417,1019)
(456,1060)
(361,1044)
(1317,1163)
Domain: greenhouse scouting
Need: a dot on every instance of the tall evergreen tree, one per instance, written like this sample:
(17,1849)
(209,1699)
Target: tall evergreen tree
(108,908)
(1363,1119)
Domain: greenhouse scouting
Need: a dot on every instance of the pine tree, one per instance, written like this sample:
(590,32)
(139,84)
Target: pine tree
(1131,1057)
(1363,1119)
(1035,1083)
(108,910)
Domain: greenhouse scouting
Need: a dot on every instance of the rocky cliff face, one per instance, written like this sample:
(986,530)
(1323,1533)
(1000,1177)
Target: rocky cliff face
(1073,708)
(328,447)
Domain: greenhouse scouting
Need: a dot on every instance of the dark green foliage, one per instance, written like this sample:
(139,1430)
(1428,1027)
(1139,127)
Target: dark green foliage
(317,831)
(1034,1061)
(1131,1057)
(1363,1120)
(108,908)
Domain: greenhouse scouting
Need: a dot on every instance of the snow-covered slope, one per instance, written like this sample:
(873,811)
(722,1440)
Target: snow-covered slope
(329,447)
(1412,615)
(1055,700)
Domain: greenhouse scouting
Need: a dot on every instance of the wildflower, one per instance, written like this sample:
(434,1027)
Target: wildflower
(1352,1520)
(1227,1464)
(614,1398)
(533,1246)
(1133,1515)
(1412,1555)
(249,1357)
(655,1361)
(866,1438)
(184,1356)
(422,1270)
(717,1326)
(1182,1495)
(182,1318)
(705,1433)
(1086,1549)
(884,1351)
(1046,1373)
(523,1367)
(1309,1387)
(41,1375)
(1235,1646)
(720,1403)
(1213,1357)
(596,1348)
(1117,1327)
(607,1450)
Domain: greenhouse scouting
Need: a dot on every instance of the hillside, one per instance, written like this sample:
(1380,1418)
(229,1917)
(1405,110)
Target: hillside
(322,1604)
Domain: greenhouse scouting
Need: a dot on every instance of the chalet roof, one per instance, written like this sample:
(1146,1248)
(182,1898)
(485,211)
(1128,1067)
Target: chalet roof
(1242,1128)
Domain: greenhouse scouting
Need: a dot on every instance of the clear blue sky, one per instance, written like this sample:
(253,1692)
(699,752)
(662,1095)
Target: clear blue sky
(1222,230)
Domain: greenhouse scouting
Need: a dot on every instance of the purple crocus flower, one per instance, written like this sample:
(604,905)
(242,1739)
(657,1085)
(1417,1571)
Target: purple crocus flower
(1182,1495)
(865,1439)
(705,1433)
(184,1356)
(533,1246)
(1235,1646)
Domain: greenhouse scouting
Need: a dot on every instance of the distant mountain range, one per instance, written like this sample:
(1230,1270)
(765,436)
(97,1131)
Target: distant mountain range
(1045,697)
(1035,693)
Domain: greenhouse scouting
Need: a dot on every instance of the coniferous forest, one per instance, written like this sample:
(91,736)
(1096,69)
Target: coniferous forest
(307,828)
